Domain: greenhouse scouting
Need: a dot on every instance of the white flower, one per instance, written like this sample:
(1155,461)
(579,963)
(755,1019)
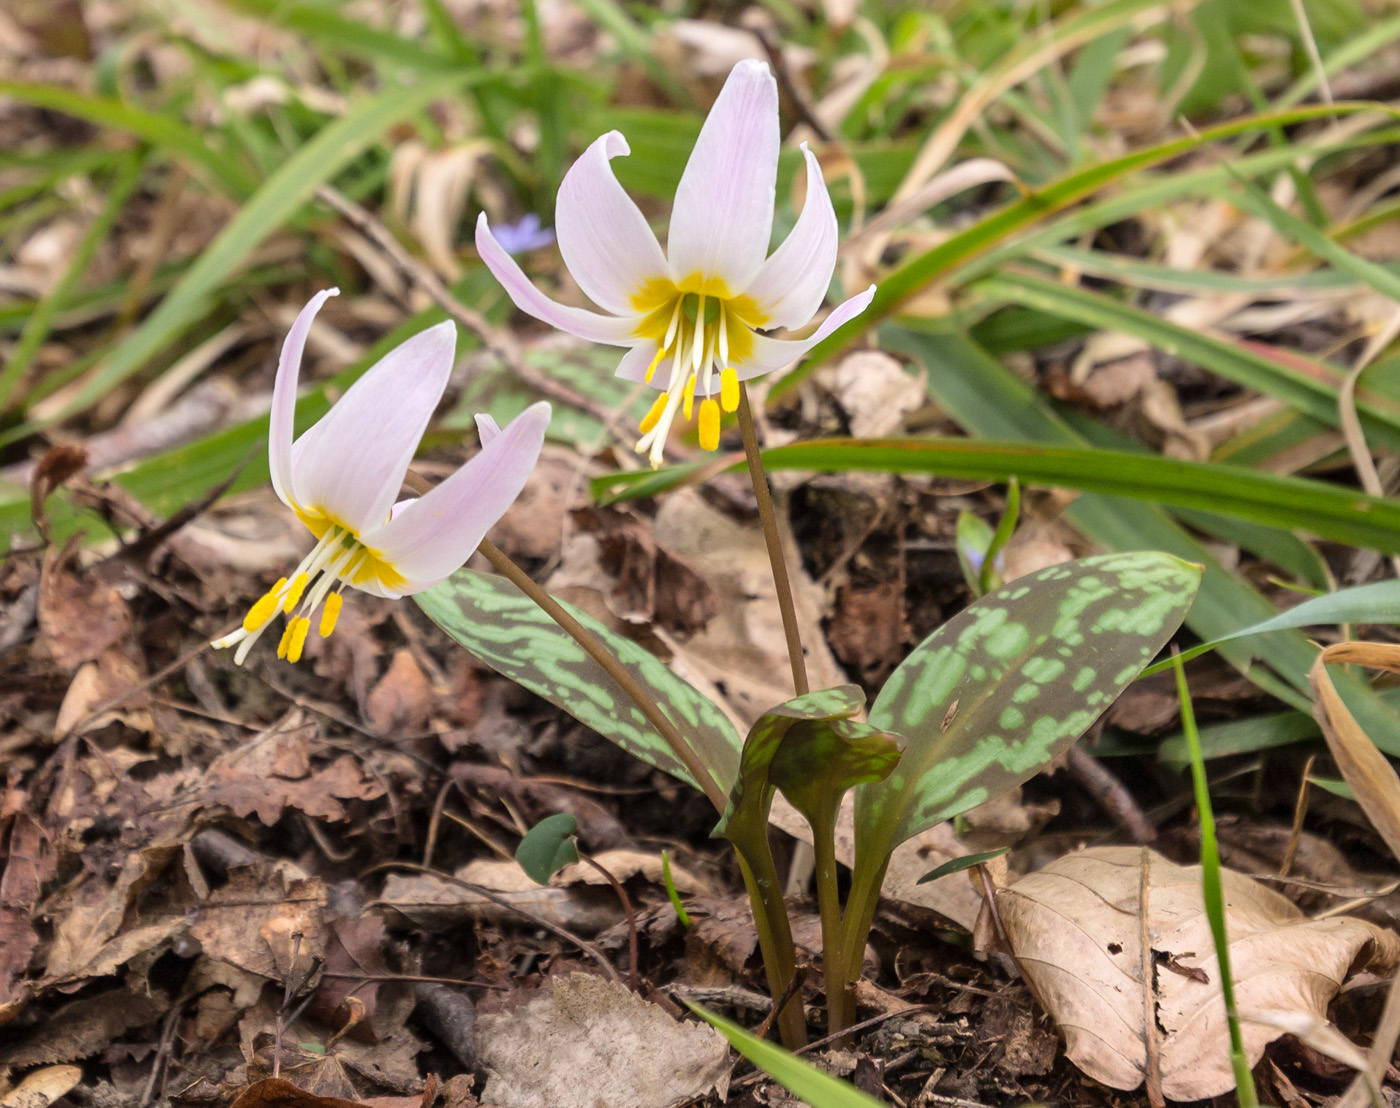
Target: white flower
(343,476)
(698,308)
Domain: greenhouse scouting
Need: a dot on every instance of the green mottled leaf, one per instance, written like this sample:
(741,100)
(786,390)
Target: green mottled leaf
(998,691)
(502,627)
(548,847)
(752,792)
(819,761)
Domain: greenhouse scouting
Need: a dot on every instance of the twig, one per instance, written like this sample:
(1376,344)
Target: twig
(493,338)
(826,1040)
(1110,794)
(496,898)
(774,50)
(633,974)
(774,542)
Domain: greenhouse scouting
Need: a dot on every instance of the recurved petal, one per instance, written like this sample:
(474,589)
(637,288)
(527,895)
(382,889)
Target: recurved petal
(432,536)
(604,238)
(791,284)
(770,354)
(284,398)
(723,215)
(633,366)
(615,331)
(351,464)
(486,428)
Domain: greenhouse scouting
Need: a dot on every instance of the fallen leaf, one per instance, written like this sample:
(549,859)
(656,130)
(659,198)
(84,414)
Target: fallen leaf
(79,615)
(274,1092)
(42,1087)
(83,1027)
(270,773)
(259,926)
(30,863)
(18,942)
(1115,942)
(402,699)
(876,392)
(590,1041)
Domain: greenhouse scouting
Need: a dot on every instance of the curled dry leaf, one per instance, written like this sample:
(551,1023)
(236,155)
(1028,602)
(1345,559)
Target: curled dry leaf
(630,1053)
(42,1087)
(1373,782)
(1116,944)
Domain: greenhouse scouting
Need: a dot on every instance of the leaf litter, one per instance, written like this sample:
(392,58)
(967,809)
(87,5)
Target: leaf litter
(190,851)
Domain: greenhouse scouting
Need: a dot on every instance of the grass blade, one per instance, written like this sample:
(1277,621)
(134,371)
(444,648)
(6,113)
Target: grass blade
(1213,892)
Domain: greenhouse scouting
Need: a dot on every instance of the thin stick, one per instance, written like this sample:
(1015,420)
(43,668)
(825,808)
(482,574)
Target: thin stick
(774,541)
(497,341)
(611,666)
(634,979)
(499,899)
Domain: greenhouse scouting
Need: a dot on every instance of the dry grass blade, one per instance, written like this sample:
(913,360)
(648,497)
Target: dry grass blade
(1377,789)
(1372,780)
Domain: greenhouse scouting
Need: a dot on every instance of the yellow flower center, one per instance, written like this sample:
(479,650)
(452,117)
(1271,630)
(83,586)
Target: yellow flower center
(700,332)
(339,558)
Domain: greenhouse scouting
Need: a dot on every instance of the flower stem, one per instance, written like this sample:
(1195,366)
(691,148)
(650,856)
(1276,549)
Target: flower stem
(612,667)
(769,520)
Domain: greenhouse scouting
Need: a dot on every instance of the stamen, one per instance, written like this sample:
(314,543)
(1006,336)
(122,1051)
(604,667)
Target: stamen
(689,394)
(729,389)
(656,361)
(330,613)
(709,424)
(698,346)
(298,627)
(675,323)
(294,593)
(264,609)
(650,419)
(286,638)
(723,335)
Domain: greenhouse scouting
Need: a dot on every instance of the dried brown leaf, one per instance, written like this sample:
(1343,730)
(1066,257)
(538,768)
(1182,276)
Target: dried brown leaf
(259,926)
(1372,779)
(1116,943)
(79,614)
(591,1041)
(42,1087)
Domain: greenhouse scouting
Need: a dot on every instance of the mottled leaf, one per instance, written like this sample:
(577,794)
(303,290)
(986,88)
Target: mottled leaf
(752,794)
(998,691)
(548,847)
(821,760)
(502,627)
(957,865)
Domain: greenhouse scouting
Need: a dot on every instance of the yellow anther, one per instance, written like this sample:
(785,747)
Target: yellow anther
(729,390)
(264,609)
(299,628)
(656,361)
(286,639)
(654,416)
(709,424)
(330,613)
(690,396)
(294,593)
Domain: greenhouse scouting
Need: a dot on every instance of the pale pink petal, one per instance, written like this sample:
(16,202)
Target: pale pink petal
(723,216)
(351,464)
(770,354)
(603,237)
(435,534)
(284,398)
(486,428)
(615,331)
(793,282)
(633,366)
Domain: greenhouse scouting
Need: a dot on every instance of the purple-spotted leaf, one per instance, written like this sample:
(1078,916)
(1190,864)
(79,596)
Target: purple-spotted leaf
(501,626)
(752,795)
(1001,689)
